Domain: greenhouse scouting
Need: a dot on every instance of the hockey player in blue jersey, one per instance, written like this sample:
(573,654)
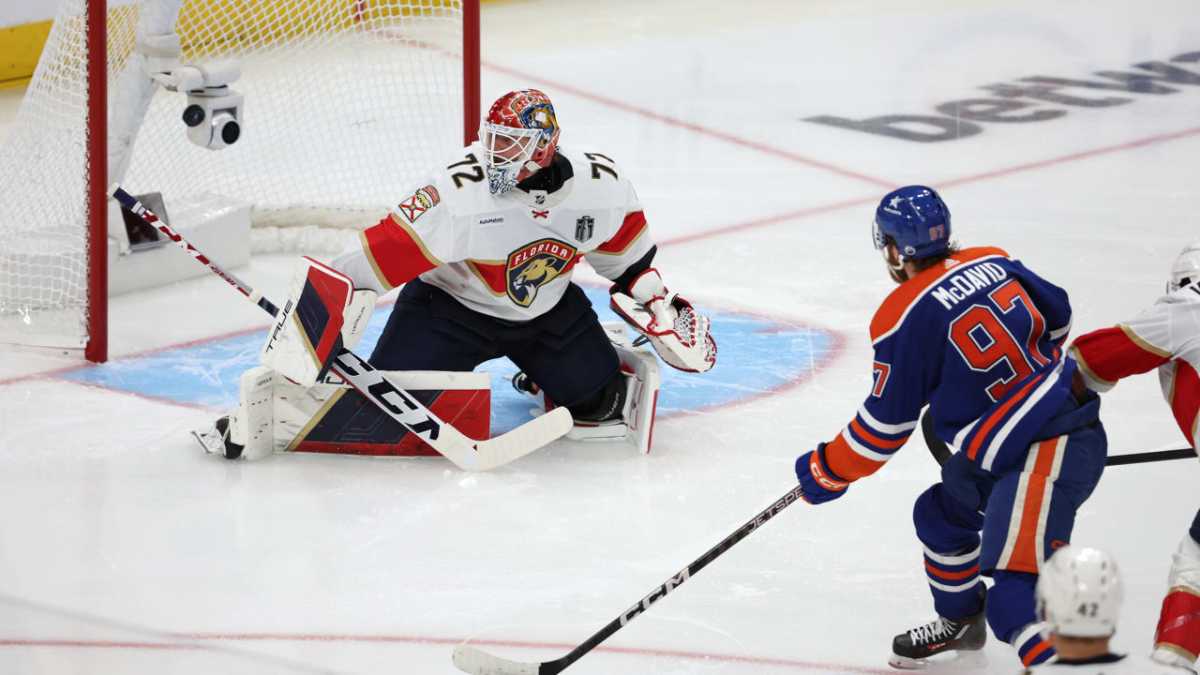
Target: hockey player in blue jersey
(978,337)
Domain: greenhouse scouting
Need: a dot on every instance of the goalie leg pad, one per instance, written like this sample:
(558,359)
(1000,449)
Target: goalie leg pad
(641,402)
(640,380)
(248,431)
(333,418)
(251,425)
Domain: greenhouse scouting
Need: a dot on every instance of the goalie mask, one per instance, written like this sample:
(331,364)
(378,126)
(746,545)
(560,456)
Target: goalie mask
(519,137)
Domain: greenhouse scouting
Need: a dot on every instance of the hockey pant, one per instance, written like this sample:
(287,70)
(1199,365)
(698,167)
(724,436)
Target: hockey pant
(1004,525)
(565,351)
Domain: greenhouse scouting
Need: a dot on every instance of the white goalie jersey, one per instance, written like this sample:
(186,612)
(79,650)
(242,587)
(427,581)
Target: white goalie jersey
(508,256)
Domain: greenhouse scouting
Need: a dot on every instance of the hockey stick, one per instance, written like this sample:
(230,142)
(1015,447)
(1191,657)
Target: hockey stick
(466,453)
(941,452)
(477,662)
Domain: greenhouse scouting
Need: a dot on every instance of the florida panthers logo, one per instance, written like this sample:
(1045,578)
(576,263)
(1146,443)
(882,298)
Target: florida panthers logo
(535,265)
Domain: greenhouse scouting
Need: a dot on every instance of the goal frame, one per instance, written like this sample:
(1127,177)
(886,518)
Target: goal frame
(96,149)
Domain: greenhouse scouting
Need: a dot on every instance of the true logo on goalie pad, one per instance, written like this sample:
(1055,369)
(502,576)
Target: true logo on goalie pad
(535,265)
(424,199)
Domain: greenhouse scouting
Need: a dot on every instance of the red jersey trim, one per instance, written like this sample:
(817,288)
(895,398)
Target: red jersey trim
(896,306)
(1109,354)
(1088,373)
(491,273)
(631,230)
(396,253)
(366,248)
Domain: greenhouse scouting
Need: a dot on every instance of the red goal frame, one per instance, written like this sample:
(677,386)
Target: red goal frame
(96,348)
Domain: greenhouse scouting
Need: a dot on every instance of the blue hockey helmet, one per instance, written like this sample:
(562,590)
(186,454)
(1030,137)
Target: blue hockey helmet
(914,218)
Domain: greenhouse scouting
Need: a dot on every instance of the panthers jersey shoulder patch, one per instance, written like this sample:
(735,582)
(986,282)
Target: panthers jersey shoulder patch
(424,199)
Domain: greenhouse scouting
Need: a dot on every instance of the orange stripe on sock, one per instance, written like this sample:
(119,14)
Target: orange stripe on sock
(1037,651)
(951,576)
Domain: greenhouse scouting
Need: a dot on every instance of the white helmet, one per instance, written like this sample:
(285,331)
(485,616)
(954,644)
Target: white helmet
(1186,267)
(1079,593)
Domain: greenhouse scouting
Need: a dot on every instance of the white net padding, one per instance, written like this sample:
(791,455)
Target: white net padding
(346,102)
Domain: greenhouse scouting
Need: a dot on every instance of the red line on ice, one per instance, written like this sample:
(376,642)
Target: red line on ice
(696,128)
(188,641)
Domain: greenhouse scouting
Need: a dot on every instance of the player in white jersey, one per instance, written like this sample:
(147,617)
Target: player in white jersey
(1079,596)
(484,248)
(1165,336)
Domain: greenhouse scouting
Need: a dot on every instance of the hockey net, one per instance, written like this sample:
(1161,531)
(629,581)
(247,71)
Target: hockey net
(345,103)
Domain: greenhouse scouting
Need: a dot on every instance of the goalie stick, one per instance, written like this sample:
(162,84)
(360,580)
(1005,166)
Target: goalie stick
(941,452)
(478,662)
(466,453)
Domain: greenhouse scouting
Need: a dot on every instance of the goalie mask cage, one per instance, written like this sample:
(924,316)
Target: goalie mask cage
(346,103)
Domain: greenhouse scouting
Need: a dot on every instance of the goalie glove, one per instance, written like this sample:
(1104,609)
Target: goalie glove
(677,331)
(323,314)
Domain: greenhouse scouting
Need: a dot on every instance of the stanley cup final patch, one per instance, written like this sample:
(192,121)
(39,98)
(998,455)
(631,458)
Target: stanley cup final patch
(424,199)
(535,265)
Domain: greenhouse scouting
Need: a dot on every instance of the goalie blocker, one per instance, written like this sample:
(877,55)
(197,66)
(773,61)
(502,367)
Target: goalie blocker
(276,415)
(323,314)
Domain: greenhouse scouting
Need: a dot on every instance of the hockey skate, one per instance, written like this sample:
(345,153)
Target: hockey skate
(216,441)
(912,649)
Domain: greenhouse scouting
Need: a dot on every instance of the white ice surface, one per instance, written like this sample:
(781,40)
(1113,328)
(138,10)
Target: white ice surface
(124,550)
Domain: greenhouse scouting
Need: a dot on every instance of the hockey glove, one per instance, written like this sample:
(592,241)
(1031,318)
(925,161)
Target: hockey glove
(323,313)
(817,481)
(677,331)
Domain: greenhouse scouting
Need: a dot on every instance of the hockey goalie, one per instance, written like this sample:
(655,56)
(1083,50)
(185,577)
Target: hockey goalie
(484,250)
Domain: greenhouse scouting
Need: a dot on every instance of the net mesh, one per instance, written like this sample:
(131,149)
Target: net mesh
(346,103)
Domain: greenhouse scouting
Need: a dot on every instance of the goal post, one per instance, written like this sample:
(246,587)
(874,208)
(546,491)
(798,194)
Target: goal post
(342,104)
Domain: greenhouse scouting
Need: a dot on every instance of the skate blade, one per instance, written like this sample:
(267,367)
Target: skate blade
(210,440)
(905,663)
(949,662)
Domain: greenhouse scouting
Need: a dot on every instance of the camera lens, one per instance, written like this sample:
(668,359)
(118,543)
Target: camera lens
(230,132)
(193,115)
